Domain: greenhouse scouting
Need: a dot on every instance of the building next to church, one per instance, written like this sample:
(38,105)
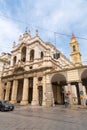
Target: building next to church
(39,74)
(4,61)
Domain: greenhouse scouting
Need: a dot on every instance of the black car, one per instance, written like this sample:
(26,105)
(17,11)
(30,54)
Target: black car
(6,106)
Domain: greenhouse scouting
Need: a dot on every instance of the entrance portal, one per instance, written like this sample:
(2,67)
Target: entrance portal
(58,93)
(10,91)
(30,95)
(30,92)
(20,90)
(58,82)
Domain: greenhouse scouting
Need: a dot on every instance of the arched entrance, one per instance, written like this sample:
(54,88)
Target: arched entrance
(58,82)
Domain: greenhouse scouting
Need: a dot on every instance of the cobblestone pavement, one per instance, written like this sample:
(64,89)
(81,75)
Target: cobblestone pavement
(38,118)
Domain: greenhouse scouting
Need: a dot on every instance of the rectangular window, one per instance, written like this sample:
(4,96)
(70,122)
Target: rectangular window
(56,55)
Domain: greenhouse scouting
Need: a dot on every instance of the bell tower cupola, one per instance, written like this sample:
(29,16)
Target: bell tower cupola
(75,52)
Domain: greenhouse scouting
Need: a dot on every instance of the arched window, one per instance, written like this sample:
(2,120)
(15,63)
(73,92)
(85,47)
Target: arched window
(74,48)
(42,55)
(23,54)
(31,55)
(14,60)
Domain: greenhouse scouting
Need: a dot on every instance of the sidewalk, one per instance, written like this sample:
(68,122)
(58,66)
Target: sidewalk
(77,107)
(56,106)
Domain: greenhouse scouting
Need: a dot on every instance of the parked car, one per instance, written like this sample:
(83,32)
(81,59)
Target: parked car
(6,106)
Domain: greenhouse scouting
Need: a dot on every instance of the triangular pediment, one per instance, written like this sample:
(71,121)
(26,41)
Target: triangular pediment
(37,41)
(32,41)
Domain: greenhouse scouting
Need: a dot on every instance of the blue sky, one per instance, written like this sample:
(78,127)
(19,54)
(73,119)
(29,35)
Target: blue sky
(48,16)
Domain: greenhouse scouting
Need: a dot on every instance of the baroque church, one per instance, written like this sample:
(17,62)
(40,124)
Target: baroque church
(39,74)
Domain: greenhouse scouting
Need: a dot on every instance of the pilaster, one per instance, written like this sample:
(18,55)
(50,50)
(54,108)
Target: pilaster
(44,92)
(27,55)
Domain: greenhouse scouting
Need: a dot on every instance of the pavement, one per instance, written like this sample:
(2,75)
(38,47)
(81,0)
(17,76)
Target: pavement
(40,118)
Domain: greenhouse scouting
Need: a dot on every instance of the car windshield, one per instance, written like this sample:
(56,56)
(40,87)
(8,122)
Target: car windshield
(4,102)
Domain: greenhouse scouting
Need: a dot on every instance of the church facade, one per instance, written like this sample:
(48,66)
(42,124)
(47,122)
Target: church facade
(39,74)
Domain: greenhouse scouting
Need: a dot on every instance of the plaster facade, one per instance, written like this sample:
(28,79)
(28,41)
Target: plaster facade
(39,74)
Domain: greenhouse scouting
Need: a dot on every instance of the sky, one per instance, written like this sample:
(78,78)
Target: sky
(48,16)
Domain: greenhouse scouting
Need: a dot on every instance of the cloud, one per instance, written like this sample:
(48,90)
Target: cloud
(9,31)
(48,16)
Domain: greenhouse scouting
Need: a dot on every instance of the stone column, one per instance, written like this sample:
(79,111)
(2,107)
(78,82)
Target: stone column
(35,92)
(25,92)
(70,95)
(44,92)
(14,91)
(7,91)
(49,93)
(81,95)
(74,94)
(80,86)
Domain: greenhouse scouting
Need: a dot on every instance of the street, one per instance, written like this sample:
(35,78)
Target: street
(39,118)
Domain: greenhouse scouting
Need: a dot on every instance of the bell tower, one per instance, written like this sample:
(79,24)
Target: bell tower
(75,52)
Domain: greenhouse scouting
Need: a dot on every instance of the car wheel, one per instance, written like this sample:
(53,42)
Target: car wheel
(2,109)
(12,109)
